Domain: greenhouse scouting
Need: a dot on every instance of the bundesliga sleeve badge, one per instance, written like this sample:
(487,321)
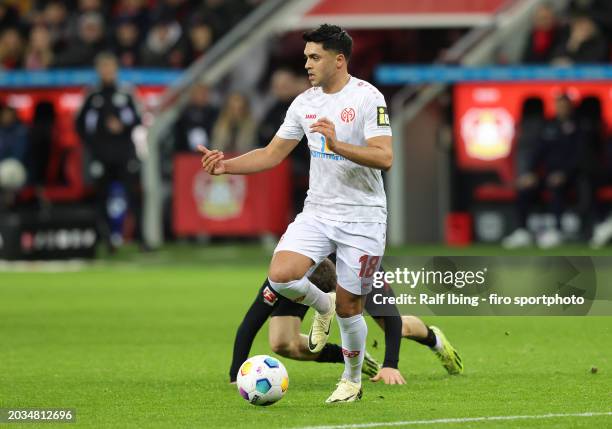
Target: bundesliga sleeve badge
(382,117)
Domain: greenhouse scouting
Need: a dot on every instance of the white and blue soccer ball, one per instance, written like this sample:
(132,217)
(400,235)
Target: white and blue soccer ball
(262,380)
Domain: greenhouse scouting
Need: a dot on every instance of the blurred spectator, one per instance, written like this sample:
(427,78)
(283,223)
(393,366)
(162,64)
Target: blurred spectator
(225,13)
(55,17)
(528,135)
(303,83)
(78,29)
(179,10)
(9,16)
(126,44)
(87,7)
(284,87)
(235,131)
(552,168)
(545,36)
(599,10)
(88,43)
(41,141)
(589,117)
(249,70)
(583,44)
(194,126)
(201,37)
(13,136)
(602,232)
(164,45)
(136,11)
(13,150)
(219,13)
(11,49)
(105,123)
(39,53)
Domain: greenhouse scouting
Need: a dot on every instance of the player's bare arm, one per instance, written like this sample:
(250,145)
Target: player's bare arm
(377,153)
(257,160)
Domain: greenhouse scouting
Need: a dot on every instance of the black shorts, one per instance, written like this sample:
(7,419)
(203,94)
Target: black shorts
(281,306)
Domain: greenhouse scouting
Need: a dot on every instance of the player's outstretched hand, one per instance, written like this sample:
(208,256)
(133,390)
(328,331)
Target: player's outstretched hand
(327,128)
(212,161)
(389,376)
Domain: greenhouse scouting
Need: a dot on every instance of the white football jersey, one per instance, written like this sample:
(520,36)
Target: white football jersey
(339,189)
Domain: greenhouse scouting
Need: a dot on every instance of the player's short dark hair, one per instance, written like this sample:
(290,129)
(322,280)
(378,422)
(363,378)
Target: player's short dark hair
(324,277)
(332,37)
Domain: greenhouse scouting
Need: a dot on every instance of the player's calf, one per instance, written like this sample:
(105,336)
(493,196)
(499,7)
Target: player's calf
(353,331)
(348,304)
(288,349)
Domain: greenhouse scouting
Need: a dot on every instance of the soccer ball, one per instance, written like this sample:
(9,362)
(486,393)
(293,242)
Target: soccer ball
(12,174)
(262,380)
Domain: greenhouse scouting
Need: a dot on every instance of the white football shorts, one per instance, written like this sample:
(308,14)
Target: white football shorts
(359,247)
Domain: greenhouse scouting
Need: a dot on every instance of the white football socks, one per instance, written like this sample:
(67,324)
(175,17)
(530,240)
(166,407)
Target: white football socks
(304,292)
(353,331)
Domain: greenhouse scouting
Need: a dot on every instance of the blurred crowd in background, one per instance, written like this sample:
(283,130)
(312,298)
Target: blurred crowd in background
(582,35)
(244,111)
(43,34)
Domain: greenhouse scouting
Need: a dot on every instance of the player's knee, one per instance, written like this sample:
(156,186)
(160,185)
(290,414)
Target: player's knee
(347,309)
(280,346)
(282,274)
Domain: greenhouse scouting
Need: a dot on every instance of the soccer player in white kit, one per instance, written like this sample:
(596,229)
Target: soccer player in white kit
(349,136)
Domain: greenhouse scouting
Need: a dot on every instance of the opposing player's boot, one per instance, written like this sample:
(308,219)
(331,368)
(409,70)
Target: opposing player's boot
(370,365)
(346,391)
(321,324)
(447,354)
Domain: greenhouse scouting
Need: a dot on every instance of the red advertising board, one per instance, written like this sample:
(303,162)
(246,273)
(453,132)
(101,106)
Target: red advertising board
(486,115)
(230,205)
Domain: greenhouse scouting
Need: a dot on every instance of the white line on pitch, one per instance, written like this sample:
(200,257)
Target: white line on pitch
(457,420)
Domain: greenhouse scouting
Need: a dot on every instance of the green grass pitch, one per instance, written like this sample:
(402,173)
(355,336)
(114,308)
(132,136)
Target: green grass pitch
(145,341)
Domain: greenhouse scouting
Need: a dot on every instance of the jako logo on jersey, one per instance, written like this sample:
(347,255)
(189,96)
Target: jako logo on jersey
(350,354)
(311,116)
(347,115)
(269,297)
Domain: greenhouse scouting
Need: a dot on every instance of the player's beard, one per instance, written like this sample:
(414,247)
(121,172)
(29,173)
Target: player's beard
(320,79)
(313,79)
